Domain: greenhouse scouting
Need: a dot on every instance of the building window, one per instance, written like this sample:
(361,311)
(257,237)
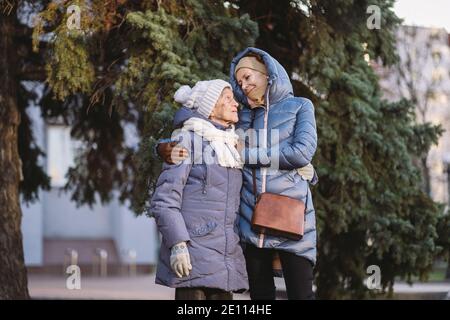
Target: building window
(60,154)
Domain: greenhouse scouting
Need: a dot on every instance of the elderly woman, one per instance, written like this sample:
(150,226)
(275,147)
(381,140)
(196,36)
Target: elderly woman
(196,202)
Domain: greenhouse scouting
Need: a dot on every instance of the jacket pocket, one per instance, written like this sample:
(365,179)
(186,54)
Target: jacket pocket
(200,230)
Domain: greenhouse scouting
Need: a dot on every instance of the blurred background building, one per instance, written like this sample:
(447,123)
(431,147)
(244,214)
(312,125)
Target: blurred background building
(56,233)
(423,76)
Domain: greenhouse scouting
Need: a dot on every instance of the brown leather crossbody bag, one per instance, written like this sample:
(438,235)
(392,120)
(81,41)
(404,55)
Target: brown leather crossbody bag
(277,215)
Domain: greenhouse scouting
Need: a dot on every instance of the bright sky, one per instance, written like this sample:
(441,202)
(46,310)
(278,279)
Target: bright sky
(427,13)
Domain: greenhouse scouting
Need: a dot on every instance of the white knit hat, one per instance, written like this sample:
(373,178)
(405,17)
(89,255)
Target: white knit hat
(203,96)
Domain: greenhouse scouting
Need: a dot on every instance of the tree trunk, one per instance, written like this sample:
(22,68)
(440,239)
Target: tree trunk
(426,175)
(13,275)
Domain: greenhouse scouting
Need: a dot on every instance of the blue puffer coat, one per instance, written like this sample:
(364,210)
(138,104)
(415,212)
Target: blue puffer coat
(293,120)
(199,203)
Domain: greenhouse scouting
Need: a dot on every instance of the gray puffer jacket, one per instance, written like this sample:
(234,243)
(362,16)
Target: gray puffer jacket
(199,203)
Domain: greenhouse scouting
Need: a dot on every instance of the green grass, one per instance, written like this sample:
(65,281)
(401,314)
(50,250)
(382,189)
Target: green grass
(436,275)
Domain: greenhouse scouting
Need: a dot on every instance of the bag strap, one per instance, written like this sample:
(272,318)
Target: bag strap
(252,112)
(261,234)
(254,183)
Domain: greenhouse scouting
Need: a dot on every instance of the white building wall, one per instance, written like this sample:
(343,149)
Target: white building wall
(63,220)
(134,234)
(32,226)
(32,233)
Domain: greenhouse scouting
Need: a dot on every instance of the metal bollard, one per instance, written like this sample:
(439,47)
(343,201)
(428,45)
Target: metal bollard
(100,262)
(132,262)
(70,258)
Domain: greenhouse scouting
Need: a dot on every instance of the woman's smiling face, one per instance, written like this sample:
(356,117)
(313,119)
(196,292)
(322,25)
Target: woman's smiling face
(253,83)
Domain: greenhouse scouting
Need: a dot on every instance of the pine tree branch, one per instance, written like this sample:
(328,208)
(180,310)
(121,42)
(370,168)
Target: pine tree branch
(32,72)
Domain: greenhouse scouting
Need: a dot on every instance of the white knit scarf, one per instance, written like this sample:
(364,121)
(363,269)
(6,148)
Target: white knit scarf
(222,141)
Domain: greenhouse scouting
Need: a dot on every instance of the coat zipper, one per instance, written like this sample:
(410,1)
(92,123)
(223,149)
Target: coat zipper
(225,229)
(205,181)
(264,145)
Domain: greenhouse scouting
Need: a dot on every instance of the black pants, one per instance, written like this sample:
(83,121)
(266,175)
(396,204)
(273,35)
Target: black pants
(202,294)
(297,273)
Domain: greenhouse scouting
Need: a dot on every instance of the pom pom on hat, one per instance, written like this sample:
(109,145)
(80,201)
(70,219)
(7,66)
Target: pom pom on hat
(183,94)
(203,96)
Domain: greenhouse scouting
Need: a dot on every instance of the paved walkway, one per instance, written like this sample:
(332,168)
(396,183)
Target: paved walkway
(140,287)
(143,287)
(425,290)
